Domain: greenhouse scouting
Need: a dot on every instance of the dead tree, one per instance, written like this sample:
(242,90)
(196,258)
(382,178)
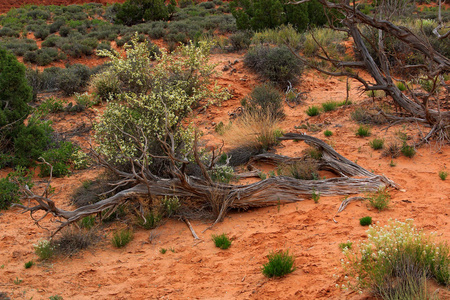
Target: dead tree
(418,107)
(352,179)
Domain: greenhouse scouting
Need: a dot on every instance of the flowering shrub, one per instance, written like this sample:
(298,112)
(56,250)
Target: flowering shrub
(156,99)
(396,260)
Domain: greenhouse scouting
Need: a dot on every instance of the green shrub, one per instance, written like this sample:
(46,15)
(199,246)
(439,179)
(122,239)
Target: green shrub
(328,133)
(408,151)
(122,237)
(10,187)
(59,158)
(73,79)
(443,175)
(152,220)
(392,149)
(365,221)
(222,174)
(315,196)
(376,144)
(280,264)
(170,205)
(240,40)
(345,246)
(221,241)
(44,249)
(312,111)
(363,131)
(380,199)
(106,85)
(329,106)
(314,153)
(401,86)
(50,105)
(56,297)
(284,34)
(396,260)
(41,32)
(264,99)
(276,64)
(29,264)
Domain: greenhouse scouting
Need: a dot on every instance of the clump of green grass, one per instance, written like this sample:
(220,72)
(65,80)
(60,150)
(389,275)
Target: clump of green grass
(380,199)
(401,86)
(29,264)
(393,150)
(315,196)
(314,153)
(312,111)
(363,131)
(443,175)
(44,249)
(328,133)
(280,264)
(121,238)
(396,260)
(163,250)
(346,245)
(376,144)
(87,222)
(221,241)
(408,150)
(366,221)
(151,221)
(329,106)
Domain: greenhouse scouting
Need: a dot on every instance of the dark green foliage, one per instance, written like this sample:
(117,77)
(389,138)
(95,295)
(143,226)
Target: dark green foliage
(87,222)
(266,100)
(9,32)
(261,14)
(221,241)
(280,264)
(43,57)
(74,79)
(137,11)
(51,41)
(59,158)
(276,64)
(152,220)
(15,93)
(312,111)
(329,106)
(9,187)
(41,32)
(328,133)
(31,141)
(29,264)
(366,221)
(19,46)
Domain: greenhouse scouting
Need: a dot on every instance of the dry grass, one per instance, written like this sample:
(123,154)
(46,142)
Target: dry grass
(254,130)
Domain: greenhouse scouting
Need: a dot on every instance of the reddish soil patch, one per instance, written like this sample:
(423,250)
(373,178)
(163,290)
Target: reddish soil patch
(197,269)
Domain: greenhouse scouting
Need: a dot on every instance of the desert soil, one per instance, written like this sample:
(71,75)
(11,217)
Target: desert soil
(196,269)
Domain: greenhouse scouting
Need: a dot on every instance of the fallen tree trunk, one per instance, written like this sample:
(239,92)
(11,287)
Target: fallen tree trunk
(271,191)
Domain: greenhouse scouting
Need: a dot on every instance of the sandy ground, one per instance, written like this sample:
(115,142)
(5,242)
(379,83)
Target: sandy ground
(199,270)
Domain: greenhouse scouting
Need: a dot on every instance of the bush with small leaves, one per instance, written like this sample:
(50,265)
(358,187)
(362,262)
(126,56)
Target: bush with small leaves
(363,131)
(59,158)
(240,40)
(152,220)
(221,241)
(365,221)
(376,144)
(29,264)
(276,64)
(122,237)
(328,133)
(312,111)
(443,175)
(280,264)
(408,150)
(9,187)
(264,99)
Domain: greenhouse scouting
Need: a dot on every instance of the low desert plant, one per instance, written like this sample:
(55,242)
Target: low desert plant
(401,86)
(443,175)
(305,169)
(254,130)
(312,111)
(408,150)
(328,133)
(380,199)
(122,237)
(44,249)
(365,221)
(264,99)
(221,241)
(55,297)
(29,264)
(376,144)
(329,106)
(73,240)
(163,250)
(152,220)
(87,222)
(313,153)
(280,264)
(363,131)
(393,150)
(396,260)
(315,196)
(346,245)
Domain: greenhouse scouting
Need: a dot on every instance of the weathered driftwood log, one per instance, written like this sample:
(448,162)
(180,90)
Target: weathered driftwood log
(271,191)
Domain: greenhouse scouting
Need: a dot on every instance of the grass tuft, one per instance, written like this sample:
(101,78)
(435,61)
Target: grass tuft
(221,241)
(122,237)
(280,264)
(312,111)
(328,133)
(380,199)
(376,144)
(363,131)
(443,175)
(29,264)
(366,221)
(408,151)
